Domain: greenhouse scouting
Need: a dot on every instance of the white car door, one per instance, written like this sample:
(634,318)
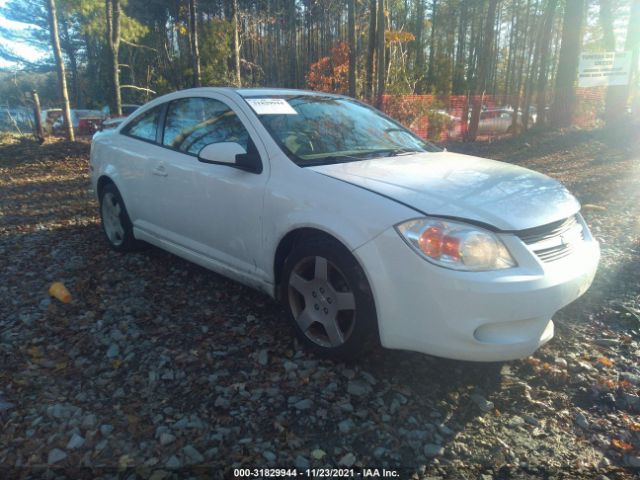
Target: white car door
(211,210)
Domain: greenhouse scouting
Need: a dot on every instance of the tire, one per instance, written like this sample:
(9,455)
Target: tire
(328,300)
(116,225)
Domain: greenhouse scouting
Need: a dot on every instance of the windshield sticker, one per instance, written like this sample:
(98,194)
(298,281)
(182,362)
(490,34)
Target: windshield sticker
(271,106)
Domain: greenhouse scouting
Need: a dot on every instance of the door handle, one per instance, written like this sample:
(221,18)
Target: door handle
(160,171)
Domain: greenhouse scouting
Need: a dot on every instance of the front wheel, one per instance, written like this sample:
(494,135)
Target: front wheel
(329,300)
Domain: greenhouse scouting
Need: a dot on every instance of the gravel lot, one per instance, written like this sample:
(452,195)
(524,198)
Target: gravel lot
(159,368)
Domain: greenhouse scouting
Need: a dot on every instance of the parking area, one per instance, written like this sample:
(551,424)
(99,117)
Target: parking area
(161,366)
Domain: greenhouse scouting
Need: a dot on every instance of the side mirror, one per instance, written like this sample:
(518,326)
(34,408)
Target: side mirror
(231,154)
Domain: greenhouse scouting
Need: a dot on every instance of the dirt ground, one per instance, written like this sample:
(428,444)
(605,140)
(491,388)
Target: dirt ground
(160,369)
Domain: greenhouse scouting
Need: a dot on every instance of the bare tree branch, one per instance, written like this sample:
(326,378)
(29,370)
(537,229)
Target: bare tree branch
(134,87)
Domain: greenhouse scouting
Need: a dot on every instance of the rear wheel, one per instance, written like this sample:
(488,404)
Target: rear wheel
(116,224)
(329,300)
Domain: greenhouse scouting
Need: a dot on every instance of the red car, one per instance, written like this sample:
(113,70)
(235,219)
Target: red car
(85,122)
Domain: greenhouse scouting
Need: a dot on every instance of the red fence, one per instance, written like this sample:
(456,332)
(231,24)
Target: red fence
(441,118)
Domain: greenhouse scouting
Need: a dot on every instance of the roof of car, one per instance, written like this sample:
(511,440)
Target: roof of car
(265,92)
(258,92)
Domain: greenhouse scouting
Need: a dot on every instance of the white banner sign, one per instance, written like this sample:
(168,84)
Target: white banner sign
(604,69)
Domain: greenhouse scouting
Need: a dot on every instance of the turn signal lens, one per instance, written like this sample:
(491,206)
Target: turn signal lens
(434,243)
(456,245)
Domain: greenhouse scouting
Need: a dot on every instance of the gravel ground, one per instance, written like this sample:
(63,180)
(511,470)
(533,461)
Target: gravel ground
(160,369)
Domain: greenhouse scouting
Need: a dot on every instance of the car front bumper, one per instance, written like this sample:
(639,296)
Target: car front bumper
(478,316)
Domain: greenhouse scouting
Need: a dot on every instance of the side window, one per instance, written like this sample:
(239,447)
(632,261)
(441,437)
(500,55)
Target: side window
(192,123)
(145,126)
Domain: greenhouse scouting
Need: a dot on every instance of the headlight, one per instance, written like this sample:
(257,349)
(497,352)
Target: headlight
(456,245)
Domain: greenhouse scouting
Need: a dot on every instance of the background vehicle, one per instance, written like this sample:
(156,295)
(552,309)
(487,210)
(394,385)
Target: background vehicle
(85,122)
(113,122)
(493,121)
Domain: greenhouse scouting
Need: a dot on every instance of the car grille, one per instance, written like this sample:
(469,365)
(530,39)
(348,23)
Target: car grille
(554,241)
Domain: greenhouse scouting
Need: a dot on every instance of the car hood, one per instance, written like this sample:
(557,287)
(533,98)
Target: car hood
(505,196)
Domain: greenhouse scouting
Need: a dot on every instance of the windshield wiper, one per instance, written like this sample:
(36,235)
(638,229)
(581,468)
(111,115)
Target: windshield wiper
(392,152)
(333,159)
(330,160)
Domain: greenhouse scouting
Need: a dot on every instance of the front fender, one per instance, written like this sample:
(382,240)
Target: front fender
(306,199)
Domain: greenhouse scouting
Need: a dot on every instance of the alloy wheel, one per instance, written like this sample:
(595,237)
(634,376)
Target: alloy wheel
(111,220)
(322,301)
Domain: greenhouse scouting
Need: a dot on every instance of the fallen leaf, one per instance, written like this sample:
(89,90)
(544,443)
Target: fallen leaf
(621,445)
(626,384)
(605,361)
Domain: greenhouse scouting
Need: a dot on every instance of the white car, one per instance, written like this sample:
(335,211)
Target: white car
(366,232)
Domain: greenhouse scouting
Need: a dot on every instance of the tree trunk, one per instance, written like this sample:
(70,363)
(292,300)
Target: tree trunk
(458,69)
(565,94)
(543,73)
(195,50)
(352,47)
(419,41)
(485,59)
(523,37)
(371,47)
(532,69)
(55,44)
(292,41)
(432,44)
(618,96)
(511,55)
(236,44)
(380,52)
(112,8)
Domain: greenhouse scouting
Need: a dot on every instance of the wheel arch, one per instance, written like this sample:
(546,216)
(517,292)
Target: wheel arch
(103,181)
(288,242)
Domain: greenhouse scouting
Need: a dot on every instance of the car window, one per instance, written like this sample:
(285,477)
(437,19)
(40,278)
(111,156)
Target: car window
(145,126)
(193,123)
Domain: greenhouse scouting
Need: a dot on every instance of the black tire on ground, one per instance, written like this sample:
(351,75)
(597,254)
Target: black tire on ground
(125,242)
(347,275)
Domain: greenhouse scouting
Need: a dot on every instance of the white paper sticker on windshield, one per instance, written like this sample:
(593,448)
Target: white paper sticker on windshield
(271,106)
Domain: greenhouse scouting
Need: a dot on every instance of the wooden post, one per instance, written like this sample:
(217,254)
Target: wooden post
(36,111)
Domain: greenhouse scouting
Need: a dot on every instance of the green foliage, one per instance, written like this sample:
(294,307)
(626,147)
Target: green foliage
(92,20)
(215,51)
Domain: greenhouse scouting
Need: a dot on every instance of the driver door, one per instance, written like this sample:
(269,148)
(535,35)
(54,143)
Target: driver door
(211,210)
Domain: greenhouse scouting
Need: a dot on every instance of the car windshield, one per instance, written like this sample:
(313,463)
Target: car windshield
(320,129)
